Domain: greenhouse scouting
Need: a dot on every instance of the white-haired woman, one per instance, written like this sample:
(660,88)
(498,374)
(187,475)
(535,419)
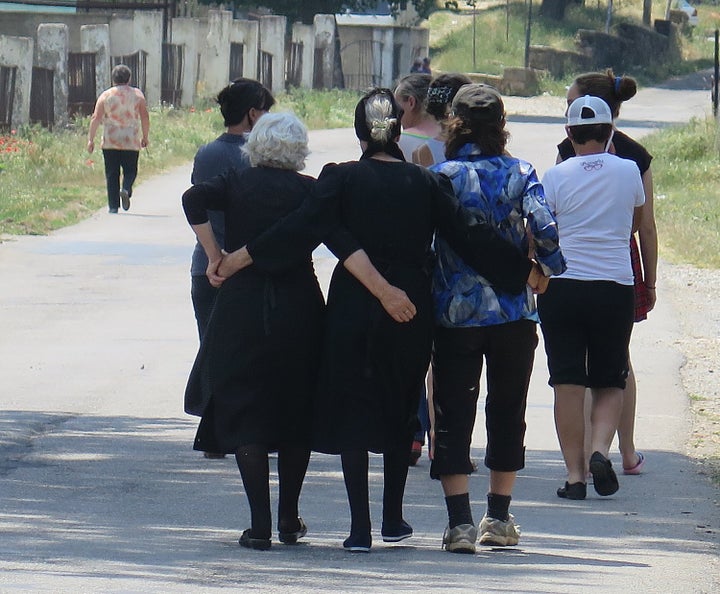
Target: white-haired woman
(256,369)
(373,366)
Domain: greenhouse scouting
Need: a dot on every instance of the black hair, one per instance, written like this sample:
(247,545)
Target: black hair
(121,74)
(598,132)
(240,96)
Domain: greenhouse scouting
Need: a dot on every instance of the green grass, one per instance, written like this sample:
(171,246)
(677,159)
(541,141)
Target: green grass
(686,172)
(500,39)
(49,181)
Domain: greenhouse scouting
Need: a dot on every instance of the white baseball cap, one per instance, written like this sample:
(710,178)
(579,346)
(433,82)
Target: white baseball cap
(588,110)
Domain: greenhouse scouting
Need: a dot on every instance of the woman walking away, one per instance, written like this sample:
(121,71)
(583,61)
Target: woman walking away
(255,373)
(615,90)
(587,312)
(372,366)
(477,321)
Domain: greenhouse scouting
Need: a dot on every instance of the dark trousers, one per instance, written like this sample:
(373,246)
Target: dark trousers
(458,354)
(203,298)
(114,161)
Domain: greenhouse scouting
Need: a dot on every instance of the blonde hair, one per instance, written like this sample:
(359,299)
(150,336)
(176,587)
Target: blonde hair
(380,118)
(278,140)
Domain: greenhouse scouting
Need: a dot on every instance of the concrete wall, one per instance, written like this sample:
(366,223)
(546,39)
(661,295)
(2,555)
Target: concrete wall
(272,41)
(18,52)
(305,34)
(247,33)
(52,53)
(96,38)
(185,32)
(215,53)
(324,25)
(25,24)
(148,37)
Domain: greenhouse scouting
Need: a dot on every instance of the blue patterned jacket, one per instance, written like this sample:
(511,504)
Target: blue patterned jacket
(505,191)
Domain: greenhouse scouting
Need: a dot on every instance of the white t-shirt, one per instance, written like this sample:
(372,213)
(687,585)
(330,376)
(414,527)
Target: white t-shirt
(593,198)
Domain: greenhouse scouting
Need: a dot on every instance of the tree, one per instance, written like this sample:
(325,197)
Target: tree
(306,10)
(554,9)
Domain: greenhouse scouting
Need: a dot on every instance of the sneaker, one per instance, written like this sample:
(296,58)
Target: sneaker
(415,453)
(496,533)
(356,544)
(460,539)
(396,531)
(604,478)
(125,199)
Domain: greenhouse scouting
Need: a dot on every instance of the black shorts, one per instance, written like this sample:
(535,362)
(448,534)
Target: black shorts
(586,326)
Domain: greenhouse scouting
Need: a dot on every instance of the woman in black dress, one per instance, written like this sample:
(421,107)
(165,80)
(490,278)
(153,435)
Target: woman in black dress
(256,370)
(373,366)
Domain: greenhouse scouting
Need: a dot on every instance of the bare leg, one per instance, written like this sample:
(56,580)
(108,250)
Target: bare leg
(454,484)
(607,404)
(569,403)
(502,483)
(626,426)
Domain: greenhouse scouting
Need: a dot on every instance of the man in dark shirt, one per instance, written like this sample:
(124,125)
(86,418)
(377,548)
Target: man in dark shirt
(242,103)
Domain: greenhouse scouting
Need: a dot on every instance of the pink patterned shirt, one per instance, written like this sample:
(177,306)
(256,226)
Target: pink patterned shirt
(122,128)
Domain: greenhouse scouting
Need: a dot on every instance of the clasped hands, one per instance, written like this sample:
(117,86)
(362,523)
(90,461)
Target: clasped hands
(220,269)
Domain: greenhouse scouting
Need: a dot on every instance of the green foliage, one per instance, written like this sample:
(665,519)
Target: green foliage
(48,180)
(686,172)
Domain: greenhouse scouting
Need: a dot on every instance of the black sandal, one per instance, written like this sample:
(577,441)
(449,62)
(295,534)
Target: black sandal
(605,480)
(574,491)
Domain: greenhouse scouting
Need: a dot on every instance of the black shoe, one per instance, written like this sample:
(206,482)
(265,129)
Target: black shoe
(291,538)
(396,531)
(574,491)
(213,455)
(259,544)
(112,210)
(356,544)
(604,478)
(125,199)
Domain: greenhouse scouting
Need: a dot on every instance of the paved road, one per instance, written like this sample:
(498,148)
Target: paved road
(101,492)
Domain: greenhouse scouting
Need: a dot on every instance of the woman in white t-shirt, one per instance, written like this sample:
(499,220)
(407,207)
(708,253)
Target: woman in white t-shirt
(587,312)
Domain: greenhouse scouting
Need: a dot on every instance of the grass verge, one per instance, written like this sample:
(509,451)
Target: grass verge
(49,181)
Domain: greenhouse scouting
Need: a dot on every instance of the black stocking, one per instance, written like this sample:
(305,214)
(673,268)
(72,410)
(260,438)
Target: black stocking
(252,461)
(292,465)
(395,471)
(355,472)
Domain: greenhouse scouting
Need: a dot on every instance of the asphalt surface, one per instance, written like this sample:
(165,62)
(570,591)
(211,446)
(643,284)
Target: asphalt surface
(100,490)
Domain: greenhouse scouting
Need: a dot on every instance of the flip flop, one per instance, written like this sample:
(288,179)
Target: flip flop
(637,469)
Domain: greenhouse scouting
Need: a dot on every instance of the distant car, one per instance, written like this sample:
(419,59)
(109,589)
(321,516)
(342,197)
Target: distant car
(688,9)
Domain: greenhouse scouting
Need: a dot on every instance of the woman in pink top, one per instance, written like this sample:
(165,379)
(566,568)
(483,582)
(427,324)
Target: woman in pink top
(123,113)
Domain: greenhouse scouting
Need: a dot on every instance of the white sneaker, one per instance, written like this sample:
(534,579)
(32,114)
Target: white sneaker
(460,539)
(494,532)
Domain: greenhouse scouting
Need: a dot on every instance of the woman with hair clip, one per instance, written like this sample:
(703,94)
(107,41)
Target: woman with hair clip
(374,361)
(615,90)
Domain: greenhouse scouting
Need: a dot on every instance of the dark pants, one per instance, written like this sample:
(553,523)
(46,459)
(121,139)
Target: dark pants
(115,160)
(458,354)
(203,298)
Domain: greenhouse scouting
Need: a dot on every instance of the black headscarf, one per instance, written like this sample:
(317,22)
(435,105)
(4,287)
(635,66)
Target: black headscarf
(362,129)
